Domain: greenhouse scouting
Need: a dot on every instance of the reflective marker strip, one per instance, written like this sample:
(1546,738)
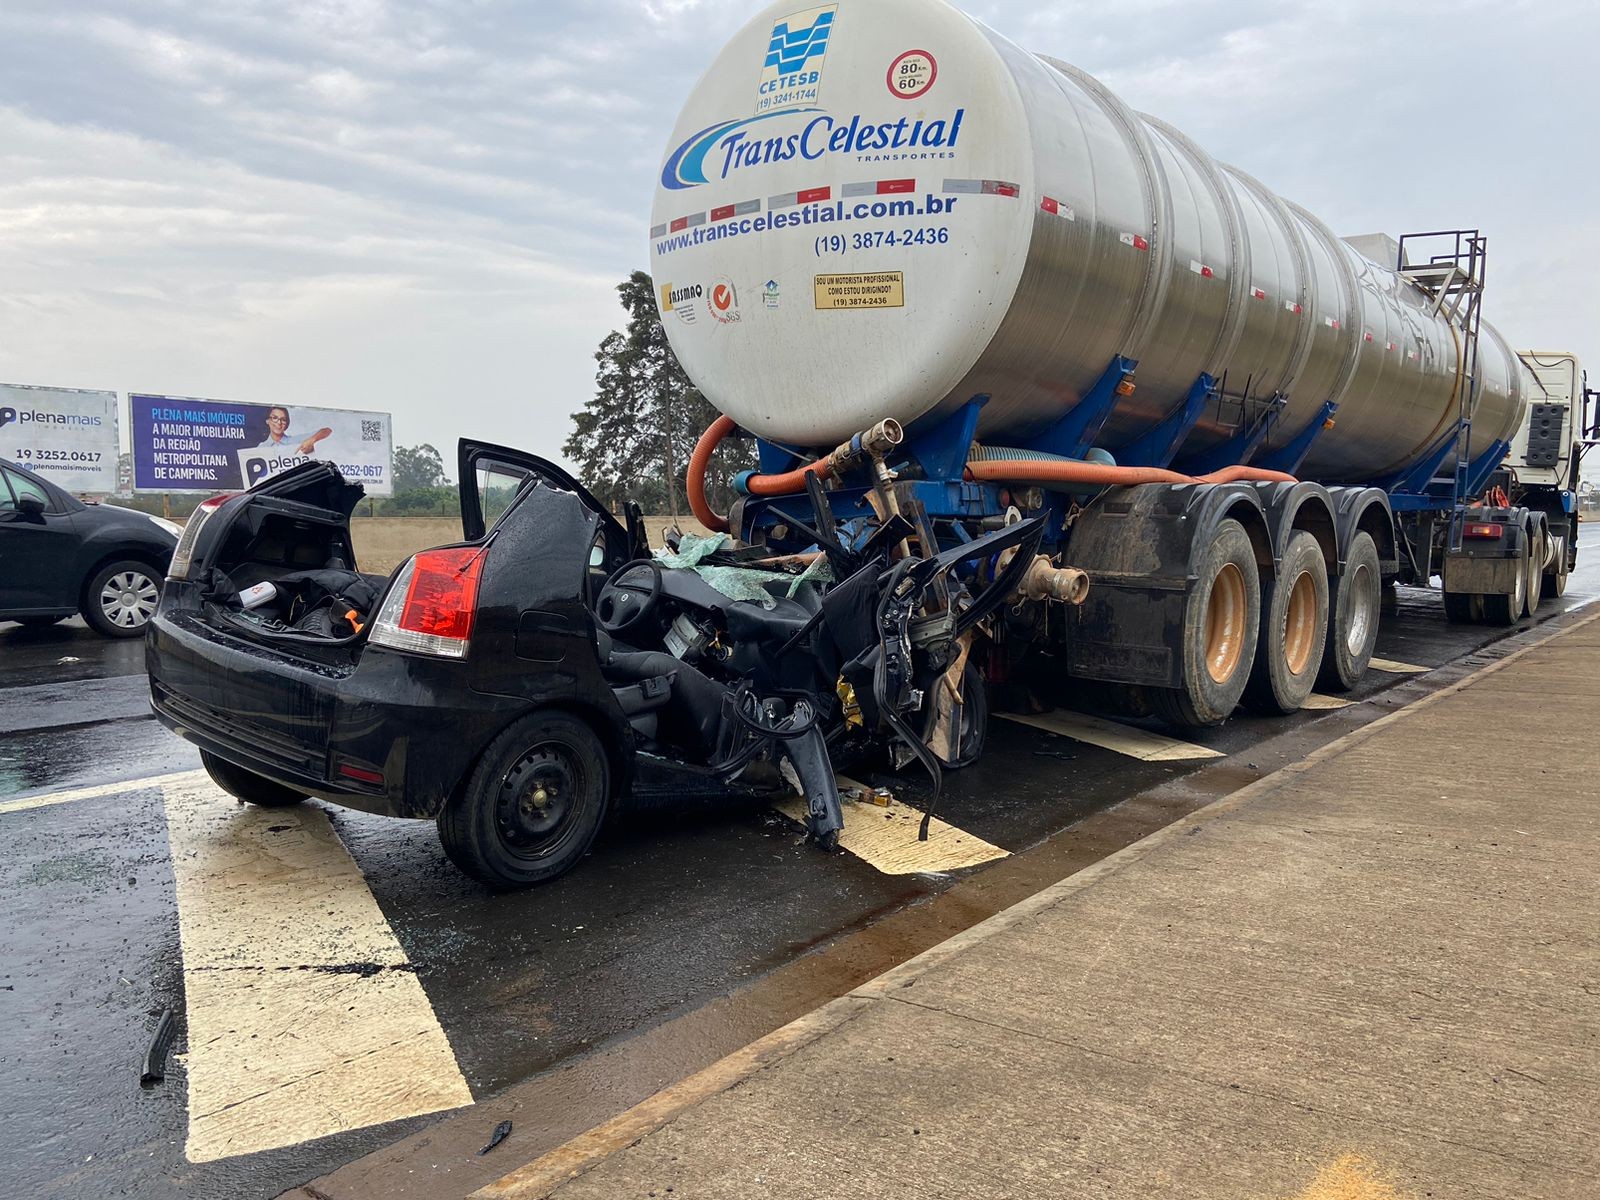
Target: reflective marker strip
(1135,240)
(658,231)
(1291,306)
(790,199)
(727,211)
(1330,322)
(1110,735)
(1396,668)
(982,187)
(1257,294)
(1057,208)
(1200,269)
(98,790)
(879,187)
(886,838)
(305,1018)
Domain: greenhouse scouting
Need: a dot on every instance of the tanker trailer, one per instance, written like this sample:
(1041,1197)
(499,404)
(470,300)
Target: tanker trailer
(884,213)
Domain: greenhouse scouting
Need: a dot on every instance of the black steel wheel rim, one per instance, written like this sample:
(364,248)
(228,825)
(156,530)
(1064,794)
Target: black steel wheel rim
(541,800)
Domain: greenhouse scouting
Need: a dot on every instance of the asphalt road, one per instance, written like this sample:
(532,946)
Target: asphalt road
(133,889)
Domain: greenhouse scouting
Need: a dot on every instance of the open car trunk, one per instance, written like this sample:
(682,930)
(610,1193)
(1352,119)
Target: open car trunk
(290,541)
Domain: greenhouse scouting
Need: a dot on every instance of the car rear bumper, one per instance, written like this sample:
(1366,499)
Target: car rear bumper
(395,734)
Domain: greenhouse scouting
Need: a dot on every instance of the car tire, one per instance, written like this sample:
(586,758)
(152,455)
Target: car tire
(121,598)
(533,805)
(247,785)
(974,717)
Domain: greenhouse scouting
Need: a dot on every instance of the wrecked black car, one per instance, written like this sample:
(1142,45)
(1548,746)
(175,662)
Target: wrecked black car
(550,668)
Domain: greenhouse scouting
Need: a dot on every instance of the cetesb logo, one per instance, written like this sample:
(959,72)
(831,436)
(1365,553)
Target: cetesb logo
(796,52)
(725,301)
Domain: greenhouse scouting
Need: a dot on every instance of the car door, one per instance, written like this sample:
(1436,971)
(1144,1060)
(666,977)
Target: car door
(38,549)
(494,477)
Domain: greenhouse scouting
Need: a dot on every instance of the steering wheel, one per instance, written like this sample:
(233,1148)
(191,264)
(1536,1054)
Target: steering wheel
(621,606)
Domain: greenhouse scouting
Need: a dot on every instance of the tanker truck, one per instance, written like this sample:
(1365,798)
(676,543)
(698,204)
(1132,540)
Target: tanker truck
(1038,388)
(1004,296)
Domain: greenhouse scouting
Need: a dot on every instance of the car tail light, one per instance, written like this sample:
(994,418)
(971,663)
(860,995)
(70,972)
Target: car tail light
(1483,529)
(430,607)
(184,554)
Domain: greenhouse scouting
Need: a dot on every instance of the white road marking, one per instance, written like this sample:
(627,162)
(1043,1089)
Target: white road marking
(98,790)
(1111,735)
(886,838)
(304,1016)
(1318,700)
(1396,668)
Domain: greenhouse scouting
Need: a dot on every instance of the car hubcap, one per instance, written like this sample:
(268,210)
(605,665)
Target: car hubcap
(539,800)
(128,599)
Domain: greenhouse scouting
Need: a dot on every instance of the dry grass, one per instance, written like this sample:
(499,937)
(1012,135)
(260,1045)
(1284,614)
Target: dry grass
(383,543)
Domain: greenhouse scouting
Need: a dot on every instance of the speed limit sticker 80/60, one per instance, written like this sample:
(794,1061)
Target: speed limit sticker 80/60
(912,74)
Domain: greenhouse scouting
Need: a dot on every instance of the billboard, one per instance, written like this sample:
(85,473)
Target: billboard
(67,435)
(182,444)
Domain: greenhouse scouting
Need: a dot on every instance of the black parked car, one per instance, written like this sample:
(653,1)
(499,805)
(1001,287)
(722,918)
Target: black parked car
(60,556)
(517,686)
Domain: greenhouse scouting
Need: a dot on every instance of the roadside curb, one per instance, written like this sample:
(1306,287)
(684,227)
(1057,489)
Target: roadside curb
(551,1170)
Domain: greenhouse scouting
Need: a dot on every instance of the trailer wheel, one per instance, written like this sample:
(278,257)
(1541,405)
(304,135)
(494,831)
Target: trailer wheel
(1502,609)
(1294,630)
(1353,620)
(1219,633)
(532,806)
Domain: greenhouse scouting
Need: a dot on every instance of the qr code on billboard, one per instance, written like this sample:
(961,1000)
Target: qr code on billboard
(372,431)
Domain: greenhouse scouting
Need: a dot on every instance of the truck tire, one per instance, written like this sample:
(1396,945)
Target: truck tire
(1502,609)
(1294,630)
(247,785)
(1353,616)
(532,806)
(1533,589)
(1220,627)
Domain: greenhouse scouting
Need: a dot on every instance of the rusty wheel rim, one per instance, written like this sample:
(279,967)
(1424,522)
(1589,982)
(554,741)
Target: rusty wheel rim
(1225,623)
(1300,624)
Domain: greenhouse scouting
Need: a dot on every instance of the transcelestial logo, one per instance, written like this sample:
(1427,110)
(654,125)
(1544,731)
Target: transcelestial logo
(730,146)
(796,53)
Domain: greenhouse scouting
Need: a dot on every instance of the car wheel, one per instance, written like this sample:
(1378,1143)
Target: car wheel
(247,785)
(974,717)
(121,598)
(532,806)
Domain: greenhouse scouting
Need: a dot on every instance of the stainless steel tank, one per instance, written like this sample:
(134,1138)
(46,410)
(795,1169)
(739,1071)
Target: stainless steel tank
(883,208)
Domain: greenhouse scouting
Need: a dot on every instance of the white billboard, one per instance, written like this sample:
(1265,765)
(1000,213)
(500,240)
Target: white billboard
(67,435)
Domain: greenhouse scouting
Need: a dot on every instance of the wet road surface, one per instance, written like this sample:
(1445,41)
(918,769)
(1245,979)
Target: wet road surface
(113,846)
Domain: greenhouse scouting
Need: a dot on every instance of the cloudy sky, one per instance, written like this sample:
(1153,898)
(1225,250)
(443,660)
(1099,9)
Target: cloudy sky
(424,205)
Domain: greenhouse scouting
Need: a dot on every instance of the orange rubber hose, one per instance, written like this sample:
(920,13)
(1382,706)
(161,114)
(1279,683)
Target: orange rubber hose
(1105,475)
(695,478)
(786,484)
(996,471)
